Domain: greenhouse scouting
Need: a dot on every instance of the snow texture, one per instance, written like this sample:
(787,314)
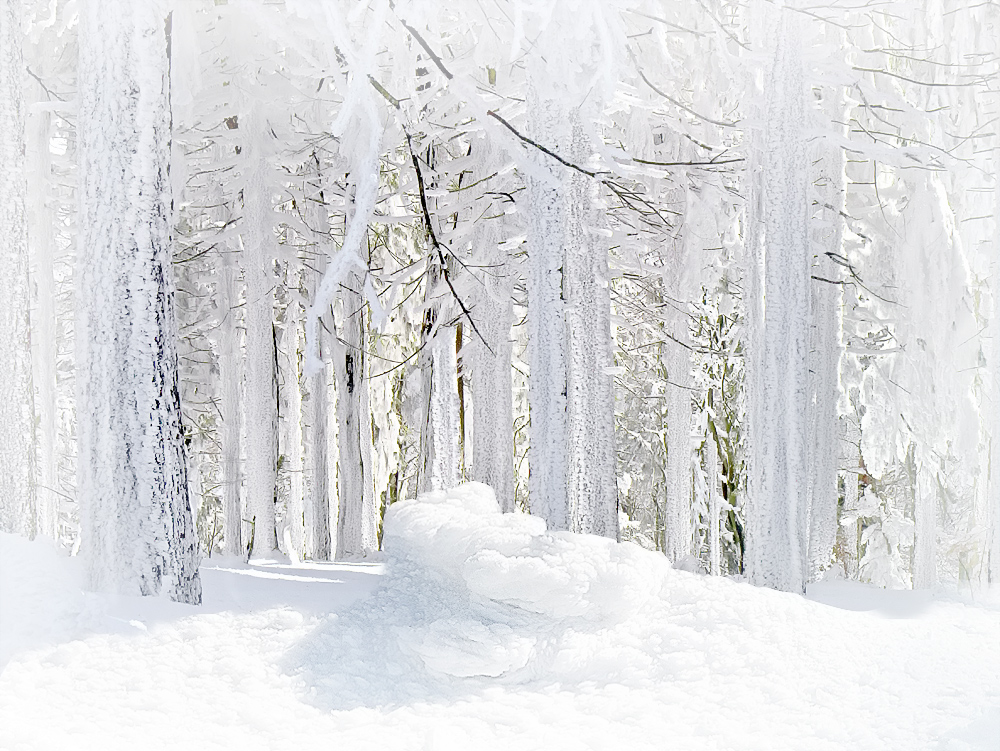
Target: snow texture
(136,521)
(489,632)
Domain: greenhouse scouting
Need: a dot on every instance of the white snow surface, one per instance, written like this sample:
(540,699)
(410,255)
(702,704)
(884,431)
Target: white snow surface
(483,631)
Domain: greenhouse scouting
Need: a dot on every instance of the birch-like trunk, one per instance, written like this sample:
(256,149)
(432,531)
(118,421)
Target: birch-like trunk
(316,411)
(993,495)
(230,371)
(293,525)
(137,530)
(357,517)
(678,532)
(42,221)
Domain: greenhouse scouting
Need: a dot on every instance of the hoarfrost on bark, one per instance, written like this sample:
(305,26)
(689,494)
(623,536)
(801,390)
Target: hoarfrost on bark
(778,318)
(137,528)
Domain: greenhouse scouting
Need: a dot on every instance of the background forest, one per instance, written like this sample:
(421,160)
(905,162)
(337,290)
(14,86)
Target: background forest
(717,278)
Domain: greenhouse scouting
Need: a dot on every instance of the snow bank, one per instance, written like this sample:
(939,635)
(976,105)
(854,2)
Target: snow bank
(482,607)
(40,594)
(489,632)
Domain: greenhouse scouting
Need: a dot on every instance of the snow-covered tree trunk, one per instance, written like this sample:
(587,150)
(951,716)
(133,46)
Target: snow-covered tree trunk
(590,402)
(489,369)
(824,350)
(439,437)
(293,526)
(316,412)
(230,371)
(260,401)
(17,418)
(42,221)
(317,466)
(993,414)
(137,529)
(778,317)
(547,484)
(676,357)
(714,506)
(357,517)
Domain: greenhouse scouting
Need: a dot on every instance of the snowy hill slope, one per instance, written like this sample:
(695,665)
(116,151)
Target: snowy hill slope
(486,632)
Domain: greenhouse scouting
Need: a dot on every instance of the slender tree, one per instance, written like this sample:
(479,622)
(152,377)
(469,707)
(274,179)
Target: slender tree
(17,439)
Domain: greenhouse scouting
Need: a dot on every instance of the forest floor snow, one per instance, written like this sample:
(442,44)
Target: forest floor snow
(482,631)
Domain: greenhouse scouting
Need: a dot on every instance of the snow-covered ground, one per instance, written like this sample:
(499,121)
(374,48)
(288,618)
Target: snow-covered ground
(481,631)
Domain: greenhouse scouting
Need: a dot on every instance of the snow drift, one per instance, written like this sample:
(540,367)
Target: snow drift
(489,632)
(479,606)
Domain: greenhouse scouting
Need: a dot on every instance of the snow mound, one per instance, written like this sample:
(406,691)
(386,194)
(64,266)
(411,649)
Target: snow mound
(486,631)
(515,590)
(462,536)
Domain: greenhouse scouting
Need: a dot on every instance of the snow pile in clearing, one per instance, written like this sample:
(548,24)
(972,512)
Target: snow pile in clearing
(512,590)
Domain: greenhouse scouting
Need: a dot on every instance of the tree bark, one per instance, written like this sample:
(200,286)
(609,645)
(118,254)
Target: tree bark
(17,413)
(136,521)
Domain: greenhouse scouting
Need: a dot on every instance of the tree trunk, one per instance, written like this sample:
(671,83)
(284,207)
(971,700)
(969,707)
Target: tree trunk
(17,418)
(230,369)
(42,221)
(135,515)
(778,319)
(357,518)
(824,350)
(489,370)
(317,385)
(547,483)
(439,438)
(293,526)
(590,401)
(260,405)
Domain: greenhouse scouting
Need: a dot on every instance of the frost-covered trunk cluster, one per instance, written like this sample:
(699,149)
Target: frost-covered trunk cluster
(135,514)
(713,278)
